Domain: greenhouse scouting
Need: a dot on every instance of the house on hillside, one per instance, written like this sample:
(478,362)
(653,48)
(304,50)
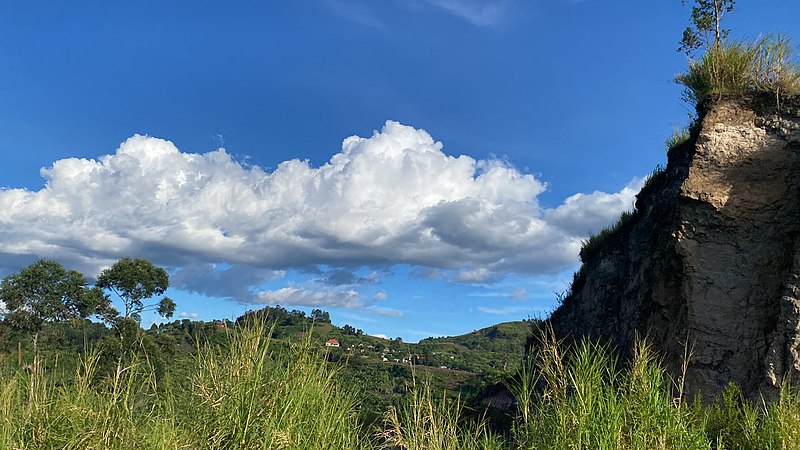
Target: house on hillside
(331,343)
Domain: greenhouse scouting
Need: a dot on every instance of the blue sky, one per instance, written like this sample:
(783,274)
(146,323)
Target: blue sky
(491,137)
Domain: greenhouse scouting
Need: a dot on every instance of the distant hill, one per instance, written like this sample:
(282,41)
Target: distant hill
(383,369)
(486,351)
(379,370)
(494,348)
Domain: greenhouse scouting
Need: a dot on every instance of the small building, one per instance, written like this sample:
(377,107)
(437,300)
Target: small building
(331,343)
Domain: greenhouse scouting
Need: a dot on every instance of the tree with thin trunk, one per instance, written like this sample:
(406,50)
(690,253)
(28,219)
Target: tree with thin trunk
(134,281)
(705,29)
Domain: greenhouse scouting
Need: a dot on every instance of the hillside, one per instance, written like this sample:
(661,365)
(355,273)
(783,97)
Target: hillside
(382,369)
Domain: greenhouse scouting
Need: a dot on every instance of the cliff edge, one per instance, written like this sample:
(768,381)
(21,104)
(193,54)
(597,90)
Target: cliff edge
(709,260)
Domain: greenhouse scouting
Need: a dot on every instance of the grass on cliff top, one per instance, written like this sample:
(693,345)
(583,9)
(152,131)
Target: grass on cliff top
(595,242)
(245,396)
(768,65)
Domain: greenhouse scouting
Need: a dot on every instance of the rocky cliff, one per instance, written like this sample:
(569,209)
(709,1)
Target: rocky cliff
(709,261)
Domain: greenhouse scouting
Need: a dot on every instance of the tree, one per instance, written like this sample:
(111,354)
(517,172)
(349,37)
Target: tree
(320,316)
(134,281)
(46,292)
(706,19)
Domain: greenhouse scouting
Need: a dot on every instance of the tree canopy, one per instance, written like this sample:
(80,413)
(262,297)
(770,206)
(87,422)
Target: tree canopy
(46,292)
(320,316)
(705,26)
(134,281)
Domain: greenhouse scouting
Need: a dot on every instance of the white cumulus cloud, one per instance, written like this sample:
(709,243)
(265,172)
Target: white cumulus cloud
(582,214)
(226,228)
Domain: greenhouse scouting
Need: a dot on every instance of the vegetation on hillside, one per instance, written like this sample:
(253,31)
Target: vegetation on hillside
(250,394)
(768,65)
(77,374)
(734,68)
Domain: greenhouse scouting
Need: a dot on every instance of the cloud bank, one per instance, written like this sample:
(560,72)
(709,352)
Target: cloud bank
(227,228)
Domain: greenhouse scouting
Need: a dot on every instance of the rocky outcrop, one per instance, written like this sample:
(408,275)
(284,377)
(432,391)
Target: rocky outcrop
(709,262)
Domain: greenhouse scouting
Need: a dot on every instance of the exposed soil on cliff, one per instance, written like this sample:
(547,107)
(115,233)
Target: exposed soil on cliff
(709,262)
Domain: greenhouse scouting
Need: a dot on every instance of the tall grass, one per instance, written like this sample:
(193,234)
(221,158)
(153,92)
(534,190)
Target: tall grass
(252,395)
(123,412)
(243,396)
(586,402)
(247,399)
(581,397)
(678,137)
(592,246)
(427,423)
(739,68)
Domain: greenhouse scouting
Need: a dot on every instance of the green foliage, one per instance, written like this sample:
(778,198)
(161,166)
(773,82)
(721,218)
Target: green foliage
(768,65)
(136,280)
(705,29)
(351,330)
(253,392)
(679,137)
(241,397)
(245,398)
(425,422)
(592,246)
(318,315)
(92,414)
(46,292)
(581,397)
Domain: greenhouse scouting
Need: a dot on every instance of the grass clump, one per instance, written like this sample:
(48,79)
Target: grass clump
(246,398)
(581,397)
(587,402)
(741,68)
(595,242)
(678,137)
(732,422)
(425,422)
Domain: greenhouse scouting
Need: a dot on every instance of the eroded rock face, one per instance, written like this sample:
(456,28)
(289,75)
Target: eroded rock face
(710,261)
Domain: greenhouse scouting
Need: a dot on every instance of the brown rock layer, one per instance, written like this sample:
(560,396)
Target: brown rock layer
(710,260)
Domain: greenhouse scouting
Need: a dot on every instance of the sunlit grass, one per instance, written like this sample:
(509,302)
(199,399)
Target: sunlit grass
(739,68)
(249,395)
